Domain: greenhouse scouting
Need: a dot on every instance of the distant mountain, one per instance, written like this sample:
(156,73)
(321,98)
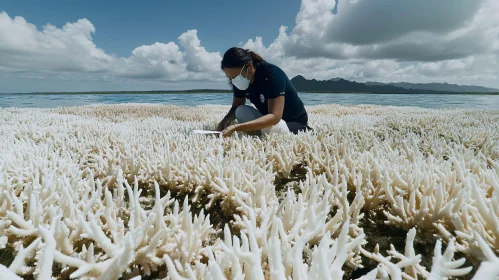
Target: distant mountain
(335,79)
(375,84)
(342,85)
(439,87)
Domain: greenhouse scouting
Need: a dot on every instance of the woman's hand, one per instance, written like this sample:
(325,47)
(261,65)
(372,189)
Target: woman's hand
(229,131)
(223,125)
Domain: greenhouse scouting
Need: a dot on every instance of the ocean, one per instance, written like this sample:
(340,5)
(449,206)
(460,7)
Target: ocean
(475,101)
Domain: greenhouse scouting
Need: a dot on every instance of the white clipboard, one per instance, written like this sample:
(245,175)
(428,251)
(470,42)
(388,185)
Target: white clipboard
(198,131)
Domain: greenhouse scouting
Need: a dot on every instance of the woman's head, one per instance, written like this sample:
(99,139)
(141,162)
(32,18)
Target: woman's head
(240,61)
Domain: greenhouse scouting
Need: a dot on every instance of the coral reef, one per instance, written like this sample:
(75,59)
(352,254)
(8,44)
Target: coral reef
(128,192)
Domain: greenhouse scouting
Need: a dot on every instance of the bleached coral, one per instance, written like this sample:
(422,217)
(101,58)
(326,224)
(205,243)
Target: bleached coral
(126,190)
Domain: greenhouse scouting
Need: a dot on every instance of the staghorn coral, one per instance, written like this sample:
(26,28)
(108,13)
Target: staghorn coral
(109,191)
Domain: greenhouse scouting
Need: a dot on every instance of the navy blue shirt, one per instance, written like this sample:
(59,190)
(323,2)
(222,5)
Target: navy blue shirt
(271,82)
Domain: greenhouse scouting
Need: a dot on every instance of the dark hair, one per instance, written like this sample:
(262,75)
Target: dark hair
(238,57)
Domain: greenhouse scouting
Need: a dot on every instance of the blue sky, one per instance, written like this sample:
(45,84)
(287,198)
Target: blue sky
(152,45)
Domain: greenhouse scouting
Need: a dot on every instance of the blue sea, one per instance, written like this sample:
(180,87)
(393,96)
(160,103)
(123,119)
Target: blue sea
(420,100)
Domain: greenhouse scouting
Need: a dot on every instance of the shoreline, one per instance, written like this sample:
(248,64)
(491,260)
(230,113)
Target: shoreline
(229,92)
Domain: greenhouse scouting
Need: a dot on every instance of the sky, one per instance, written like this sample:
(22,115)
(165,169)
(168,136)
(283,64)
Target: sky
(169,45)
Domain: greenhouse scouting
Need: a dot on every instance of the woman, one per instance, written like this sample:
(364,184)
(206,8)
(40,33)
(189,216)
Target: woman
(278,107)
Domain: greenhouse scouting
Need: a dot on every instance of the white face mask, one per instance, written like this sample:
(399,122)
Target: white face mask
(240,82)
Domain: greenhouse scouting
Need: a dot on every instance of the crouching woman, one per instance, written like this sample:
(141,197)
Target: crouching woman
(277,107)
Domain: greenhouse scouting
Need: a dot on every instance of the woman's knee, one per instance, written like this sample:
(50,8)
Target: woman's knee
(240,111)
(245,113)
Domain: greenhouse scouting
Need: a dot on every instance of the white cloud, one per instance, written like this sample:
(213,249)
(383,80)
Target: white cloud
(155,61)
(424,30)
(70,51)
(196,56)
(70,48)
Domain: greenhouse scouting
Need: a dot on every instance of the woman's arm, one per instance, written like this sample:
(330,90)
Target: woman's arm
(231,115)
(276,108)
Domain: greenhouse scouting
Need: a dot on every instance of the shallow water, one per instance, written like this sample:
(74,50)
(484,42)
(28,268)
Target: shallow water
(420,100)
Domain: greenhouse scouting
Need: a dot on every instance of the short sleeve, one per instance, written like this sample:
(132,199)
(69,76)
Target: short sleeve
(276,81)
(239,93)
